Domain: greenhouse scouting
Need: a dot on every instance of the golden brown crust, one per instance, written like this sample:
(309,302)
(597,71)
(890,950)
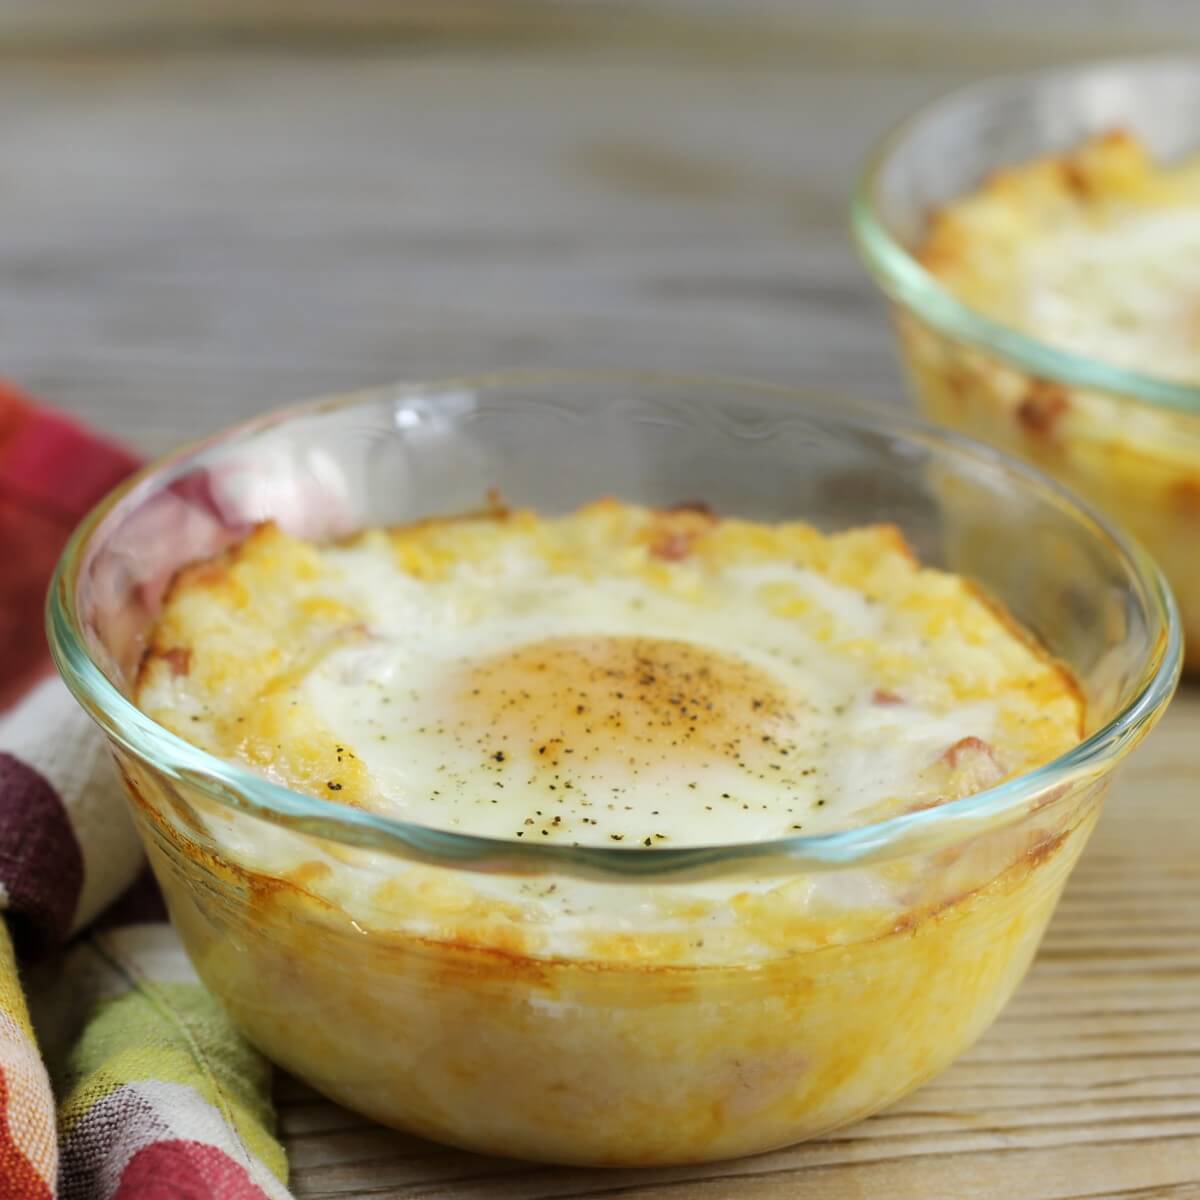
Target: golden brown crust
(501,952)
(240,635)
(1062,673)
(206,573)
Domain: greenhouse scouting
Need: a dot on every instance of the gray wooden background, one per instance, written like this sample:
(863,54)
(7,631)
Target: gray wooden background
(211,208)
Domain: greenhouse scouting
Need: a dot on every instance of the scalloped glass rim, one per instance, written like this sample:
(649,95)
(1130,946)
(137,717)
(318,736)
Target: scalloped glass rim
(905,280)
(229,784)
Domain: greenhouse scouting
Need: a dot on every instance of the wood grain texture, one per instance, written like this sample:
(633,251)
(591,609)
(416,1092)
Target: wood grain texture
(191,237)
(915,30)
(192,232)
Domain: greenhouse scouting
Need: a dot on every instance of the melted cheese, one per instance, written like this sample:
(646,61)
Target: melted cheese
(1096,252)
(618,676)
(1126,292)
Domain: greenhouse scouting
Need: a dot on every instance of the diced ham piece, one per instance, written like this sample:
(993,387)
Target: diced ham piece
(179,659)
(954,754)
(673,547)
(974,763)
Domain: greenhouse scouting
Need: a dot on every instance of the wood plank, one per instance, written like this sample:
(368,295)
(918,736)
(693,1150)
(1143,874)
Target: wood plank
(191,239)
(925,31)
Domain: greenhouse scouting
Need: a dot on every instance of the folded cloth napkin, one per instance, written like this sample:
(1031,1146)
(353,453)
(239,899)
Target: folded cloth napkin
(120,1076)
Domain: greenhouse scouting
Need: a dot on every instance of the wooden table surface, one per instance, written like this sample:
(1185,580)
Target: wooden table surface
(195,228)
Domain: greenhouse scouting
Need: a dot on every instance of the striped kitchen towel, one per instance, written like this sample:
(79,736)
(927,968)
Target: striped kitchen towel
(119,1074)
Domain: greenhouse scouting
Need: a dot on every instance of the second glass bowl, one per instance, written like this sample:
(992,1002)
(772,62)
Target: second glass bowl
(1126,440)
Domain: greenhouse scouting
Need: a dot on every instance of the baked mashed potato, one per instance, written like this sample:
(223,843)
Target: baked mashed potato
(616,676)
(619,676)
(1095,252)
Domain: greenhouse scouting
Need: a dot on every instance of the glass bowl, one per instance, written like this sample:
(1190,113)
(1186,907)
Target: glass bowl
(698,1002)
(1127,441)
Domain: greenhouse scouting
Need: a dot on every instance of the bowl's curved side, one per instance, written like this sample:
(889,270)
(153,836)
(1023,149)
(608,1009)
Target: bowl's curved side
(946,149)
(616,1059)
